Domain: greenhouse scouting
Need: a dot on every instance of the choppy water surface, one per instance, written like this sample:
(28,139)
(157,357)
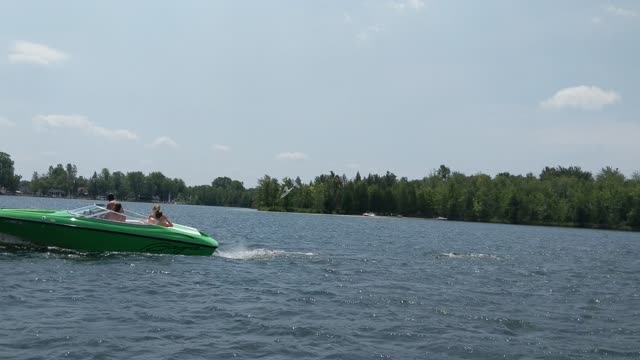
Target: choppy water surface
(291,286)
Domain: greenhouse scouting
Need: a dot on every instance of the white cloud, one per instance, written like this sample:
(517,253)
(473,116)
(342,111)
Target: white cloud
(407,4)
(80,122)
(581,97)
(164,140)
(6,123)
(220,147)
(596,20)
(347,18)
(292,156)
(620,11)
(25,52)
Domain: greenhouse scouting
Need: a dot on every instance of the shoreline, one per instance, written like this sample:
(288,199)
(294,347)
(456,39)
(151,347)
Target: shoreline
(557,225)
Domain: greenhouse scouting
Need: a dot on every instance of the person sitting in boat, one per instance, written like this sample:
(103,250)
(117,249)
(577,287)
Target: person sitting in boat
(112,204)
(116,213)
(158,218)
(154,210)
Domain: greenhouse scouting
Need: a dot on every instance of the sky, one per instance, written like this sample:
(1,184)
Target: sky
(203,89)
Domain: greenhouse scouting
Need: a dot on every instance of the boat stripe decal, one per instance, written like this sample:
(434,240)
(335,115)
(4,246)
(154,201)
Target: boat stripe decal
(110,231)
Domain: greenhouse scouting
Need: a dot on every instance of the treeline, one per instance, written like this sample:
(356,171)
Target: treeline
(8,180)
(223,191)
(558,196)
(63,181)
(136,186)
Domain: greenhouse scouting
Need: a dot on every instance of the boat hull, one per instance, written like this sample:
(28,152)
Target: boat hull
(58,229)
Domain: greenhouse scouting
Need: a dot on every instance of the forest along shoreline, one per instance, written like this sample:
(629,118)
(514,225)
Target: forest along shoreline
(558,196)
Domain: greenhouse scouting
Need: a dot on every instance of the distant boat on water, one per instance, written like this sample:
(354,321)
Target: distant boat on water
(440,218)
(368,214)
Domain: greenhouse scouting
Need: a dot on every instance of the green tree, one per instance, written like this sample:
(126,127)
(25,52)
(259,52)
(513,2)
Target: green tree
(71,183)
(267,191)
(135,181)
(443,172)
(8,179)
(104,182)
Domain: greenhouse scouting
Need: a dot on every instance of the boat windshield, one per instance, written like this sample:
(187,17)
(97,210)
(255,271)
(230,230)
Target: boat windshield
(96,211)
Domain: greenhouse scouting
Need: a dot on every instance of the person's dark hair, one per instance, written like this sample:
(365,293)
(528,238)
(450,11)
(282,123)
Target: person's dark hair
(158,214)
(110,197)
(118,207)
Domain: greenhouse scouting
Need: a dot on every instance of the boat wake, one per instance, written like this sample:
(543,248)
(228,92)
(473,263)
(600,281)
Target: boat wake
(255,254)
(10,240)
(22,247)
(454,255)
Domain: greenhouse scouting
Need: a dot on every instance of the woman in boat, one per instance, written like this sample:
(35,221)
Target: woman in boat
(158,218)
(151,218)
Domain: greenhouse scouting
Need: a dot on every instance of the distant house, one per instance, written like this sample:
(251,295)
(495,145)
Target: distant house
(24,188)
(55,193)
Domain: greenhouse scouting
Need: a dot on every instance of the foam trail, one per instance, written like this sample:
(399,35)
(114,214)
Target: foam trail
(454,255)
(255,254)
(12,240)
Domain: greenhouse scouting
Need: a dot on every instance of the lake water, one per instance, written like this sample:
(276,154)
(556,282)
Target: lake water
(293,286)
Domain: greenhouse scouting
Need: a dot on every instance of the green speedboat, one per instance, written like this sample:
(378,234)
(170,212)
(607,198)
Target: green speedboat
(93,228)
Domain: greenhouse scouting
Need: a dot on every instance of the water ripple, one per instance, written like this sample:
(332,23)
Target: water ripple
(291,286)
